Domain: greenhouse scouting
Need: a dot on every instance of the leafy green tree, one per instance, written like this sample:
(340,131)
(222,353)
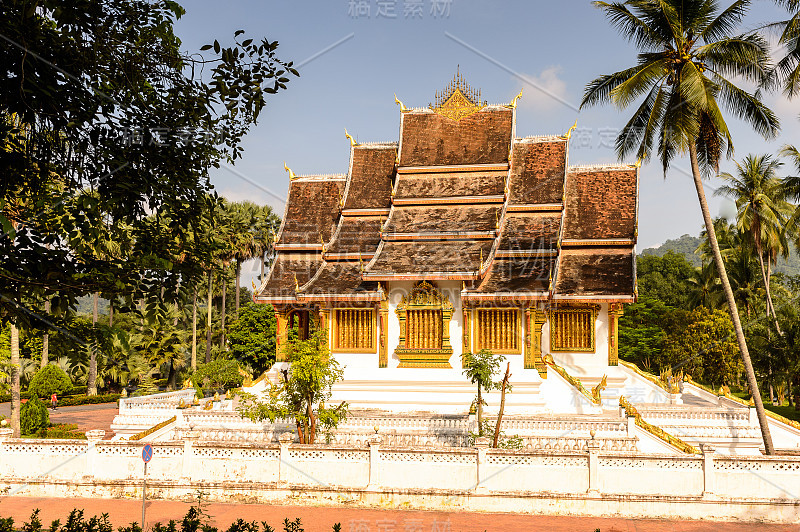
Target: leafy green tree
(161,343)
(219,373)
(664,278)
(480,368)
(306,386)
(641,331)
(34,416)
(252,337)
(704,287)
(706,348)
(688,65)
(49,380)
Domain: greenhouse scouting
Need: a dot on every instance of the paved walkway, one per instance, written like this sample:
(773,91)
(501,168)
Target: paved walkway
(321,519)
(87,417)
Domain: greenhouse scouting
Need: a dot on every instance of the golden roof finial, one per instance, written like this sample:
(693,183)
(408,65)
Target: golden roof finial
(296,284)
(321,241)
(570,130)
(349,136)
(517,97)
(291,174)
(481,258)
(254,285)
(398,102)
(360,263)
(638,163)
(497,219)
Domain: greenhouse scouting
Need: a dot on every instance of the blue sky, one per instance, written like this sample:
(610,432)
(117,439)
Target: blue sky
(501,47)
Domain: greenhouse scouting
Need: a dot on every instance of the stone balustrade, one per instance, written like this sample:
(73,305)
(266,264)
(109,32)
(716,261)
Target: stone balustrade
(704,486)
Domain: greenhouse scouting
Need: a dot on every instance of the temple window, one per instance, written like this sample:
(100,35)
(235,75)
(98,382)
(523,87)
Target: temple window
(572,328)
(354,330)
(424,317)
(498,330)
(298,323)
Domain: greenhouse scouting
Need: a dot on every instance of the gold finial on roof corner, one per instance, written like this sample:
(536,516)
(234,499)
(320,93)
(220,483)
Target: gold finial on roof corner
(497,220)
(322,241)
(570,130)
(291,174)
(254,285)
(638,163)
(296,284)
(398,102)
(360,263)
(349,136)
(481,263)
(513,103)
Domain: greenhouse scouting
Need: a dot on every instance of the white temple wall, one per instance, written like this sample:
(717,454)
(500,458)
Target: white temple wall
(593,364)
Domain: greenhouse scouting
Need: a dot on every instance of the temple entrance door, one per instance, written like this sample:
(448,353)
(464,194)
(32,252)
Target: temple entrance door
(298,323)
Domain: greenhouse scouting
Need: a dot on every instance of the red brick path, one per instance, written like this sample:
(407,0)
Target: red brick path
(321,519)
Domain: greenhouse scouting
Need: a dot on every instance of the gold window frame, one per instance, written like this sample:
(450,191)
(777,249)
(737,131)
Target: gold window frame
(517,323)
(557,332)
(424,296)
(335,324)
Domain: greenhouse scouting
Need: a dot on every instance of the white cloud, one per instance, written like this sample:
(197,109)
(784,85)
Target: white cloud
(546,90)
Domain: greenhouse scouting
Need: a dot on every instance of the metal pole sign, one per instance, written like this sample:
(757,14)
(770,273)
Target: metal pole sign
(147,455)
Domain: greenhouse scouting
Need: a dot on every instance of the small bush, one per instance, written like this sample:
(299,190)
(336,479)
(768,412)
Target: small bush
(33,416)
(62,431)
(49,380)
(217,374)
(77,400)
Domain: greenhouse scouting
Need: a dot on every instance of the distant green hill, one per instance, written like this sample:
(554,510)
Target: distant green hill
(687,244)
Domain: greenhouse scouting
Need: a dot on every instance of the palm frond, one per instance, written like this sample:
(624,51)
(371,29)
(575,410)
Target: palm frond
(640,130)
(726,21)
(642,81)
(745,56)
(747,107)
(637,31)
(599,90)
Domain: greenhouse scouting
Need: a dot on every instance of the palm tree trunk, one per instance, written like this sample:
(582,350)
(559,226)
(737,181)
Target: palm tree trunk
(15,370)
(91,378)
(238,283)
(223,309)
(208,323)
(726,286)
(46,337)
(194,329)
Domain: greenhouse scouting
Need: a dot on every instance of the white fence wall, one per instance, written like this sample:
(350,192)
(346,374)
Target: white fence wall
(766,487)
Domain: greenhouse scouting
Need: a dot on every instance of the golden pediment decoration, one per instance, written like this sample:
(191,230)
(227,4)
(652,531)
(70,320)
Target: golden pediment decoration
(457,100)
(424,294)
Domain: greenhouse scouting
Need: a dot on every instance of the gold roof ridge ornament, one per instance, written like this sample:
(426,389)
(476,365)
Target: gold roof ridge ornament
(638,163)
(398,102)
(458,100)
(296,284)
(513,103)
(568,134)
(349,136)
(292,177)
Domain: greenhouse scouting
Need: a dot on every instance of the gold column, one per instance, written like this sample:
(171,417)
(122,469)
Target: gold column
(534,321)
(324,324)
(614,313)
(467,337)
(383,353)
(281,334)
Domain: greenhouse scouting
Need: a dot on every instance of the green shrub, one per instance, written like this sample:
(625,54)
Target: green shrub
(49,380)
(217,374)
(62,431)
(33,416)
(77,400)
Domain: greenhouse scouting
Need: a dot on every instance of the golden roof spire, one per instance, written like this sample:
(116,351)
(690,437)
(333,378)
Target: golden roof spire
(349,136)
(458,99)
(398,102)
(513,104)
(296,284)
(638,163)
(291,174)
(570,130)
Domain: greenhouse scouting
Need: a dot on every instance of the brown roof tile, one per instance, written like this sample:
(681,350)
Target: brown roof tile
(419,258)
(356,235)
(595,272)
(370,185)
(537,171)
(312,210)
(429,139)
(600,204)
(446,218)
(338,278)
(518,275)
(445,185)
(530,231)
(281,278)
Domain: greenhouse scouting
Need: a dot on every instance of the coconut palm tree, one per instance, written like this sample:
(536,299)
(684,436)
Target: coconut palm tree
(761,211)
(788,68)
(704,287)
(687,67)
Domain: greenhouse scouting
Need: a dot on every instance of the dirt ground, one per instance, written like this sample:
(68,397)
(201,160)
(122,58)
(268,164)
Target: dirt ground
(319,519)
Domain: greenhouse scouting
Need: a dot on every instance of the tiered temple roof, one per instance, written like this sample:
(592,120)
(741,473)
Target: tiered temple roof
(460,198)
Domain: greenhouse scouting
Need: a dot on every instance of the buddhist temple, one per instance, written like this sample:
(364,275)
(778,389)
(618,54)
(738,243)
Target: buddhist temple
(462,236)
